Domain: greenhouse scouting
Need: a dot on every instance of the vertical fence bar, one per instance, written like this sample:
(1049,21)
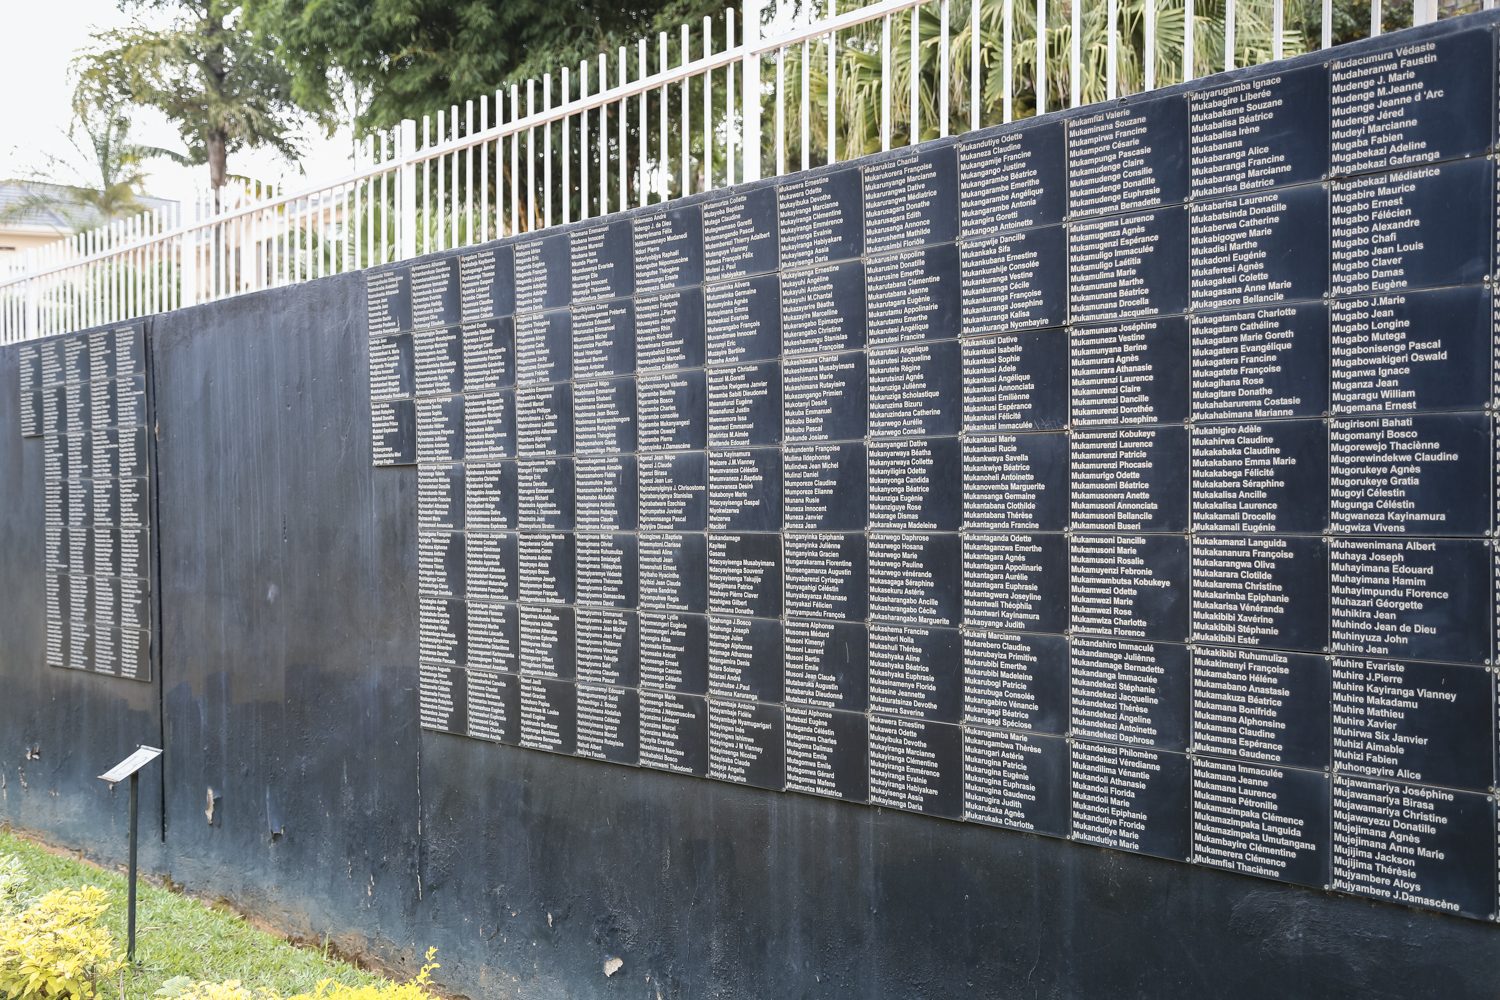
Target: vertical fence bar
(708,106)
(567,153)
(547,151)
(663,164)
(1327,25)
(1112,53)
(780,97)
(1189,36)
(515,160)
(686,99)
(583,142)
(943,58)
(1374,18)
(804,106)
(750,103)
(530,155)
(729,129)
(1041,57)
(885,82)
(469,176)
(603,138)
(1278,18)
(1075,52)
(1148,68)
(833,45)
(643,126)
(1007,69)
(406,192)
(1228,34)
(914,131)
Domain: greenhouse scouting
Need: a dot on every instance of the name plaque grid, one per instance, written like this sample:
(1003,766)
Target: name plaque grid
(84,395)
(1127,476)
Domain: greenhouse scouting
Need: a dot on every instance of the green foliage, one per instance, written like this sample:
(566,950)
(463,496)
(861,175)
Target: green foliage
(13,883)
(412,57)
(56,947)
(180,936)
(220,84)
(184,989)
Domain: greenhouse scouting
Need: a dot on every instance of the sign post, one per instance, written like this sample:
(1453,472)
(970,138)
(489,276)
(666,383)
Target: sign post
(130,768)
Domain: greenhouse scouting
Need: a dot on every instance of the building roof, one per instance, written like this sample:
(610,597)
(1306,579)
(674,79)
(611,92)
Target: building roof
(44,216)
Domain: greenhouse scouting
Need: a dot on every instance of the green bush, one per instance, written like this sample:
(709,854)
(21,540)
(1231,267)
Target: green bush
(55,947)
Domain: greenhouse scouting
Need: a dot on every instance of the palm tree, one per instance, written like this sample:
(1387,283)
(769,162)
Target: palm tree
(101,182)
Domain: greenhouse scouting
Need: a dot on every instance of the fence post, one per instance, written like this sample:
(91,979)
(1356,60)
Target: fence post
(31,322)
(188,296)
(406,190)
(750,95)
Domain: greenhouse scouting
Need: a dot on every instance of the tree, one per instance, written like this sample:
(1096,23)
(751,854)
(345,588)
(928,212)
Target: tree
(412,57)
(216,81)
(109,169)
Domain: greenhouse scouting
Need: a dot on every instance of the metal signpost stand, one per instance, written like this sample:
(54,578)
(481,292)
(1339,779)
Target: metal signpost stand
(131,767)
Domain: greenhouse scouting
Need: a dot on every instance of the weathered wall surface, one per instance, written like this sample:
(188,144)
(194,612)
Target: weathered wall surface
(298,784)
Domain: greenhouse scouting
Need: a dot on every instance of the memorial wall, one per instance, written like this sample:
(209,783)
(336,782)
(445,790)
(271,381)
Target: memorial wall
(85,395)
(1124,476)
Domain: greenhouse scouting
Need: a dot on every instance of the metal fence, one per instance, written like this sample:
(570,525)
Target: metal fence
(702,109)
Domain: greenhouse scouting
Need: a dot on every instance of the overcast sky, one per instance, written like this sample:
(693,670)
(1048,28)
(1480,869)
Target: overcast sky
(41,39)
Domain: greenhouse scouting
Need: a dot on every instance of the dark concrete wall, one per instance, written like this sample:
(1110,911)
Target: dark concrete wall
(287,638)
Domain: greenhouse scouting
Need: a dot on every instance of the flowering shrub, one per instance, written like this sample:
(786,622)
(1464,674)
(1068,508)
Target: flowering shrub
(56,947)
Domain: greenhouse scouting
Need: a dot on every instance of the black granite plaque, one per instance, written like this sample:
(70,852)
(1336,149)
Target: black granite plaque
(668,249)
(673,571)
(826,576)
(744,405)
(674,652)
(388,304)
(492,569)
(1259,133)
(1263,363)
(434,293)
(746,743)
(604,416)
(438,361)
(1016,780)
(916,673)
(1261,705)
(1016,581)
(606,569)
(742,319)
(494,636)
(1421,474)
(674,732)
(1126,266)
(1014,281)
(821,218)
(544,420)
(1130,586)
(825,398)
(605,492)
(544,347)
(1016,680)
(916,766)
(392,371)
(827,753)
(489,495)
(1007,179)
(487,283)
(916,578)
(1015,382)
(1129,373)
(740,234)
(1260,591)
(607,645)
(548,641)
(1129,479)
(744,658)
(548,712)
(1130,692)
(911,200)
(1131,798)
(1412,103)
(1415,351)
(1431,847)
(669,330)
(441,699)
(1261,477)
(916,484)
(608,723)
(826,664)
(1267,821)
(1125,159)
(916,389)
(544,494)
(1424,598)
(393,432)
(1406,721)
(744,490)
(604,335)
(494,706)
(671,412)
(440,497)
(745,574)
(824,308)
(913,295)
(673,493)
(542,266)
(440,562)
(1412,229)
(825,487)
(490,426)
(440,429)
(1249,249)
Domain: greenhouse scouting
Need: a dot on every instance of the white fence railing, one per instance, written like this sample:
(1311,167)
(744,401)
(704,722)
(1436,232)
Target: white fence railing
(660,121)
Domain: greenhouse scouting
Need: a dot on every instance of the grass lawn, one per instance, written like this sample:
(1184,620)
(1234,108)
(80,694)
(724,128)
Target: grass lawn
(180,936)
